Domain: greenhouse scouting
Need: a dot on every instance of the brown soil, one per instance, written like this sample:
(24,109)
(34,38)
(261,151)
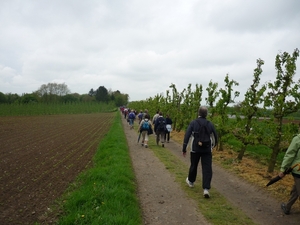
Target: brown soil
(164,202)
(40,157)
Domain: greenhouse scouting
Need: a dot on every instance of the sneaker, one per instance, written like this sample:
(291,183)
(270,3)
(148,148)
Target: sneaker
(142,144)
(191,184)
(206,193)
(284,209)
(146,146)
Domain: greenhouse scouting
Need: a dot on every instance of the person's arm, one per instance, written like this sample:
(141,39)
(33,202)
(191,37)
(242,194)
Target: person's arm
(215,134)
(290,154)
(186,139)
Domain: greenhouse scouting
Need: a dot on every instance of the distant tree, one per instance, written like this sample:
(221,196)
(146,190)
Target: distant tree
(53,89)
(3,98)
(87,98)
(69,98)
(92,92)
(119,98)
(29,98)
(102,94)
(12,98)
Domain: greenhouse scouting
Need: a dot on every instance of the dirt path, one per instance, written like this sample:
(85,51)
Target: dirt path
(164,202)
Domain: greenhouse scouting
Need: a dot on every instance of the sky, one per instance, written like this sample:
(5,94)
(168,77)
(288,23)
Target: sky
(142,47)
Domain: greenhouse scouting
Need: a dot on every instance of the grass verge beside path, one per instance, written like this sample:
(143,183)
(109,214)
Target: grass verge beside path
(106,193)
(216,210)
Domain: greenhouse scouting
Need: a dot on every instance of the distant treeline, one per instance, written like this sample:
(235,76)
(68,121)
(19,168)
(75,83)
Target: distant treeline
(59,93)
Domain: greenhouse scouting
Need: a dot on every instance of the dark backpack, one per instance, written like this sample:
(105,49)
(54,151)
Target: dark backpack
(161,124)
(202,137)
(145,125)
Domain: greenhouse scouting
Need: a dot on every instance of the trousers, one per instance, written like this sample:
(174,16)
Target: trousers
(206,165)
(295,193)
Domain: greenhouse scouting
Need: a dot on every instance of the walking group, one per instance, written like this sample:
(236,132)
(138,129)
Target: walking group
(200,139)
(200,136)
(159,125)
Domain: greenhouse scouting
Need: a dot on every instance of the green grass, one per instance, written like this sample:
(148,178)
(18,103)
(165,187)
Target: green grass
(54,108)
(106,193)
(216,210)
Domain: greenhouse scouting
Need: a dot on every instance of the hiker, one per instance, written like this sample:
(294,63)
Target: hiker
(146,129)
(140,116)
(198,137)
(145,113)
(159,129)
(125,112)
(131,117)
(155,117)
(168,128)
(291,159)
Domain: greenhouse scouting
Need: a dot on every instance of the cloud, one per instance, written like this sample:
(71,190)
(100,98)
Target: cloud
(141,47)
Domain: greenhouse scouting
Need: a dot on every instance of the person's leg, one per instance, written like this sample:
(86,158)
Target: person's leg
(295,193)
(146,139)
(162,138)
(194,158)
(143,138)
(206,163)
(157,136)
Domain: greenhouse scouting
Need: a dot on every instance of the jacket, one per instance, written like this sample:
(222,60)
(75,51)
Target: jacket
(193,128)
(292,157)
(157,121)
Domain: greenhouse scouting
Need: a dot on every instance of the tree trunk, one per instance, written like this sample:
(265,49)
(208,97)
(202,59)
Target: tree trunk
(242,152)
(273,158)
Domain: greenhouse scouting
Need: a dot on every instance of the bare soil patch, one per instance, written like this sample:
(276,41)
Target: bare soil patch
(40,157)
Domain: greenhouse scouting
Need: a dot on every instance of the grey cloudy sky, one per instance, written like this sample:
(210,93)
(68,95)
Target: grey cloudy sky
(140,47)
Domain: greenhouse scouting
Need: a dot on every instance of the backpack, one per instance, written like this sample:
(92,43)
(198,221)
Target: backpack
(161,124)
(202,137)
(145,125)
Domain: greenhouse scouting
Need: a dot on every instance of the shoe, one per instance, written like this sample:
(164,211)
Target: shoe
(162,145)
(142,144)
(191,184)
(206,193)
(146,146)
(284,209)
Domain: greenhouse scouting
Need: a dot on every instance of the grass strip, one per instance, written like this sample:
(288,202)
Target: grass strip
(106,193)
(216,210)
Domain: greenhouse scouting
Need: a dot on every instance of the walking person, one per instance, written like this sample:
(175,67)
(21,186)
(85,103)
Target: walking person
(146,129)
(155,117)
(292,159)
(168,128)
(198,138)
(131,117)
(159,129)
(140,116)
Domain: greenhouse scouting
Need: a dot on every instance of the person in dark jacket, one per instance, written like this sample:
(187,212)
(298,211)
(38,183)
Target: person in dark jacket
(160,129)
(168,128)
(200,150)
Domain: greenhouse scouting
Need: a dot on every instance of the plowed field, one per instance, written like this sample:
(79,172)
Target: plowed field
(40,157)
